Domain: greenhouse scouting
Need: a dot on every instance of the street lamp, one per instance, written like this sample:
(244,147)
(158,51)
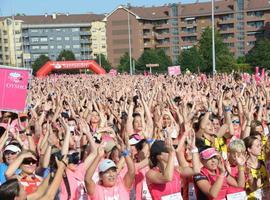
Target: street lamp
(129,43)
(213,39)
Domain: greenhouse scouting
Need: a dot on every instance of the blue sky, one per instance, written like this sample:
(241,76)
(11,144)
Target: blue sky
(37,7)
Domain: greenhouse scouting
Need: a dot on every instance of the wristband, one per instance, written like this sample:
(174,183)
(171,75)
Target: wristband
(227,109)
(149,140)
(125,153)
(209,110)
(241,168)
(195,150)
(29,134)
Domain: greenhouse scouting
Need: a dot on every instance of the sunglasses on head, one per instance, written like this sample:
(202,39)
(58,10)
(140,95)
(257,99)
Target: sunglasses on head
(28,161)
(236,121)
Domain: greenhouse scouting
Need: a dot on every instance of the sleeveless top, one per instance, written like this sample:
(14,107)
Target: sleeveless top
(162,191)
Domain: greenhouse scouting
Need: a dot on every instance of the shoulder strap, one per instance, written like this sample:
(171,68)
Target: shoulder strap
(65,178)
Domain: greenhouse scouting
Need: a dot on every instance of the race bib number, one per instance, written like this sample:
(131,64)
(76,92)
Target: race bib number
(258,194)
(237,196)
(191,192)
(175,196)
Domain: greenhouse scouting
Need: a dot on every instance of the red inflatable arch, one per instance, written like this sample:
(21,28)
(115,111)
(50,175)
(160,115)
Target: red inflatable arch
(58,65)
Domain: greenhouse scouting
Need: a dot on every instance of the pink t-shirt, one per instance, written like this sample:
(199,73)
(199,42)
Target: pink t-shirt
(161,190)
(234,174)
(142,191)
(76,183)
(119,191)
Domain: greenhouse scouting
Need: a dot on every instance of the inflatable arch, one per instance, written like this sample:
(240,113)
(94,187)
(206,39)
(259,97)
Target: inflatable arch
(50,66)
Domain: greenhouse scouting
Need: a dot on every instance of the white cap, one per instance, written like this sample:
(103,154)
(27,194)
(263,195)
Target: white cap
(12,148)
(105,165)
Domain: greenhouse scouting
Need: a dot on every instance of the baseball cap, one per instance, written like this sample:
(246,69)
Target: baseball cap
(12,148)
(208,153)
(105,165)
(157,148)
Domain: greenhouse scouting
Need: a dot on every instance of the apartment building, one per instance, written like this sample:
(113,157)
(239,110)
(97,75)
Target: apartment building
(175,27)
(50,34)
(98,38)
(11,42)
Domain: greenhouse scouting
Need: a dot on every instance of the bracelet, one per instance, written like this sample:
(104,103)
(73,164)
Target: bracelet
(149,140)
(195,150)
(29,134)
(227,109)
(125,153)
(241,168)
(209,110)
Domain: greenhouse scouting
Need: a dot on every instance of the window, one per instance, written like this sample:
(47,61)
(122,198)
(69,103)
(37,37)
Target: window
(58,38)
(51,47)
(43,39)
(76,46)
(59,46)
(67,47)
(66,38)
(35,47)
(34,39)
(75,38)
(75,29)
(51,38)
(58,29)
(44,47)
(34,30)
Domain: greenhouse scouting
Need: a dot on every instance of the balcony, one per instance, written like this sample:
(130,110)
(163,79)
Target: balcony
(255,18)
(186,34)
(85,41)
(188,24)
(148,45)
(148,26)
(226,21)
(147,35)
(226,30)
(188,43)
(86,49)
(253,28)
(162,36)
(163,45)
(85,33)
(162,26)
(229,40)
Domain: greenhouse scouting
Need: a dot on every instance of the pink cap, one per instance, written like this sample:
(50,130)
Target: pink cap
(208,153)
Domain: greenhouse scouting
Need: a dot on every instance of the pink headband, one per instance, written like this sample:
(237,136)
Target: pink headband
(208,153)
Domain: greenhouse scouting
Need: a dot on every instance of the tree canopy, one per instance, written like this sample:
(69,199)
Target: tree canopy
(259,55)
(66,55)
(104,62)
(39,62)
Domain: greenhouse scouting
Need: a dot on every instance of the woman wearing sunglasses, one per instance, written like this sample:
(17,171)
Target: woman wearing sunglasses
(27,161)
(213,181)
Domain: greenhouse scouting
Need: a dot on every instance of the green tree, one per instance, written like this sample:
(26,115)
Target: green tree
(124,63)
(225,61)
(191,59)
(259,55)
(154,56)
(39,62)
(66,55)
(104,62)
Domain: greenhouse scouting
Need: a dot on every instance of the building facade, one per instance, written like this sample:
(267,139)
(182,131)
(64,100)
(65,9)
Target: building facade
(98,39)
(11,45)
(175,27)
(50,34)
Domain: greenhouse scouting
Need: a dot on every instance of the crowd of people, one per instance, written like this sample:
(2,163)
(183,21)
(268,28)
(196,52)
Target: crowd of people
(160,137)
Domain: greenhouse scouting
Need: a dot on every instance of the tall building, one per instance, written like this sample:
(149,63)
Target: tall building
(175,27)
(50,34)
(99,44)
(11,42)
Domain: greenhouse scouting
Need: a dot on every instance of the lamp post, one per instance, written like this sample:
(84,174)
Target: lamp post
(129,43)
(213,39)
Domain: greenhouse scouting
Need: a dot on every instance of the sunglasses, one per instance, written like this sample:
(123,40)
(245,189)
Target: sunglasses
(28,161)
(236,121)
(10,152)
